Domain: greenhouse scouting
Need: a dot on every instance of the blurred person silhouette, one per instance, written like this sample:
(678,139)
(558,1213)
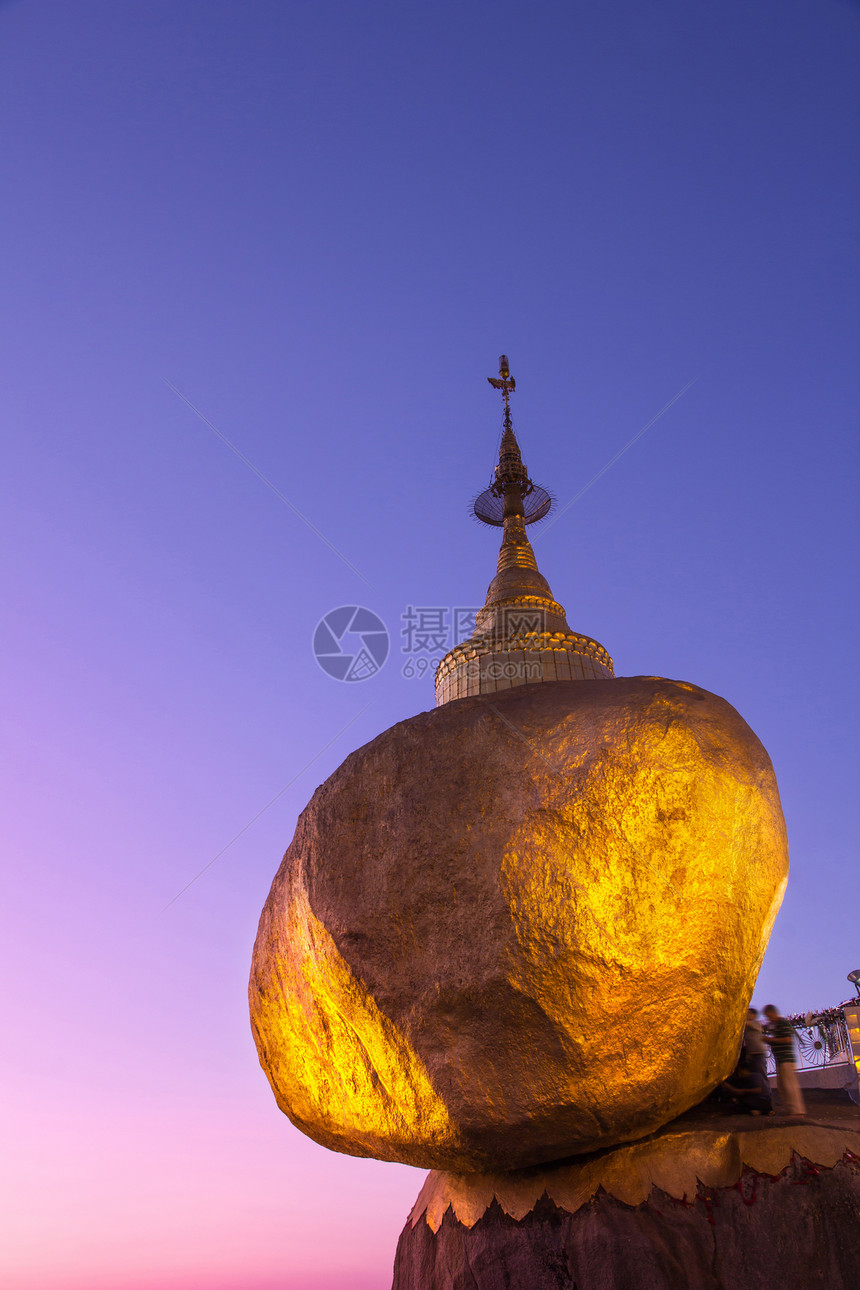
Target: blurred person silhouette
(754,1049)
(780,1035)
(751,1089)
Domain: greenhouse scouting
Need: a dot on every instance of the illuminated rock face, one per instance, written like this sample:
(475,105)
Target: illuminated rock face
(521,926)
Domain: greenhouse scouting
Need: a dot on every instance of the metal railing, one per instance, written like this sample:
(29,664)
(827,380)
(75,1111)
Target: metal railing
(820,1039)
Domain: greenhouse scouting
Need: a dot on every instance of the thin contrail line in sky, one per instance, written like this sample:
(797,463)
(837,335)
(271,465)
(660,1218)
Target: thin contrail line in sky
(307,766)
(617,456)
(313,528)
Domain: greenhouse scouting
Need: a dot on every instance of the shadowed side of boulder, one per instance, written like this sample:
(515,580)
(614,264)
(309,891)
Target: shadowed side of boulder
(794,1231)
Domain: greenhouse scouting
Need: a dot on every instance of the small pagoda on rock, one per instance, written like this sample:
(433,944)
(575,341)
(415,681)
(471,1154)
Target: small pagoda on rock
(521,634)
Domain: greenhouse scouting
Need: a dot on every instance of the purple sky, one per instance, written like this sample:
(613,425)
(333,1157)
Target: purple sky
(322,222)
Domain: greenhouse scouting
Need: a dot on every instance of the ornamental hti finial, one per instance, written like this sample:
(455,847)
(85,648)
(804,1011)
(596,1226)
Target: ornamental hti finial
(511,491)
(506,383)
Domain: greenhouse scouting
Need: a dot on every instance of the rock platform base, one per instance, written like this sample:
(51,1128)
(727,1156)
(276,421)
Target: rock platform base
(743,1204)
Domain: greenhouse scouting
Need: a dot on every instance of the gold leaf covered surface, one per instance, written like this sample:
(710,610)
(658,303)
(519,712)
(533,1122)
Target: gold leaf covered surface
(521,926)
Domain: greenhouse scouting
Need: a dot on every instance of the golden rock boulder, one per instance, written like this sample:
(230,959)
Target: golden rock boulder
(521,926)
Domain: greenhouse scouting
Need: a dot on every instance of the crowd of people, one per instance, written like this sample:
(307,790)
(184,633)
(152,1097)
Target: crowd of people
(749,1087)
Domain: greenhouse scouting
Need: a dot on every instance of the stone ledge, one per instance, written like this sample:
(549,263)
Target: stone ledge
(676,1161)
(792,1231)
(713,1201)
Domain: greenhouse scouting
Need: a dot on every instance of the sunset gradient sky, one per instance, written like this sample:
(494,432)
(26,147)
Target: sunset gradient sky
(321,222)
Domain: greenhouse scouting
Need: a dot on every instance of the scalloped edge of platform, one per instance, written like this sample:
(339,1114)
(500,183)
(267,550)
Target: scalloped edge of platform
(676,1163)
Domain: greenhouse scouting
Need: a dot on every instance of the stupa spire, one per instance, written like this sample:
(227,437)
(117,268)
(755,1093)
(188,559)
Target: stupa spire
(512,487)
(521,633)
